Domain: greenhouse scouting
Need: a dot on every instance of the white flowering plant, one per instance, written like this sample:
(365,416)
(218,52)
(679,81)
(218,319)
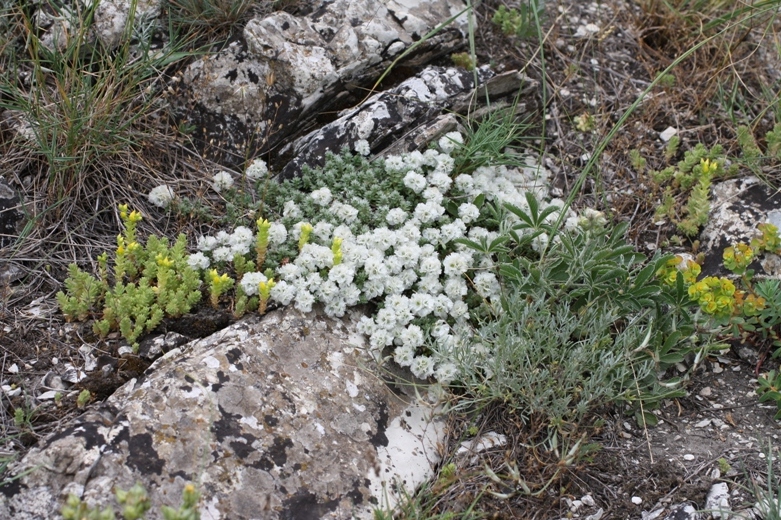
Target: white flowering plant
(393,232)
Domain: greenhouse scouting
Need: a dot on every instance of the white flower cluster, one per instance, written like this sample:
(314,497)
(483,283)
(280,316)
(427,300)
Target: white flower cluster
(412,267)
(222,181)
(161,196)
(256,170)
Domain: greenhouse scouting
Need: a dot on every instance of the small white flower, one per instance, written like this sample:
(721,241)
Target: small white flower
(394,285)
(432,235)
(380,339)
(433,194)
(344,212)
(291,210)
(455,288)
(465,183)
(440,181)
(456,264)
(362,147)
(394,163)
(322,197)
(351,294)
(422,367)
(450,141)
(289,272)
(412,336)
(386,318)
(277,234)
(335,308)
(404,355)
(222,254)
(445,164)
(468,212)
(486,284)
(249,282)
(342,274)
(207,243)
(430,265)
(446,373)
(452,231)
(421,304)
(415,181)
(304,300)
(222,181)
(430,284)
(373,288)
(396,216)
(322,230)
(223,238)
(366,326)
(198,261)
(283,292)
(161,196)
(257,170)
(241,238)
(459,310)
(428,211)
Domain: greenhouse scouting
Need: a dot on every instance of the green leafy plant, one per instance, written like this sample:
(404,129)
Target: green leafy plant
(581,326)
(519,22)
(769,389)
(149,282)
(691,178)
(463,60)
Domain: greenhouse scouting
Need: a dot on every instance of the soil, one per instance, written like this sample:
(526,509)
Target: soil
(598,58)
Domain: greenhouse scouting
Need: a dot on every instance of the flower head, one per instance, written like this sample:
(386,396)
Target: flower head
(161,196)
(222,181)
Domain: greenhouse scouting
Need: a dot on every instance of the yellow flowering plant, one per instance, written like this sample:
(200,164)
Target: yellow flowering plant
(148,283)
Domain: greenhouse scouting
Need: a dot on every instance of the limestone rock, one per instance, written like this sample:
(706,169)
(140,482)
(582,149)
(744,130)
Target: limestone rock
(291,68)
(278,417)
(737,207)
(404,118)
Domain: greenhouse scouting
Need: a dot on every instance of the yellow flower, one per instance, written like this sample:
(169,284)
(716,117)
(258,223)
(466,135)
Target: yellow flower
(164,261)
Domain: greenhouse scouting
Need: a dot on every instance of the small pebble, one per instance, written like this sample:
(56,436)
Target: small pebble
(637,500)
(667,134)
(706,392)
(688,456)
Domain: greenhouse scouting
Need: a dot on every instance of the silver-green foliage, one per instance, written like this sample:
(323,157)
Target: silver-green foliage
(581,326)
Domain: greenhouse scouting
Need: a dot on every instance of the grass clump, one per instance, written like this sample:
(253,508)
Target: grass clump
(84,102)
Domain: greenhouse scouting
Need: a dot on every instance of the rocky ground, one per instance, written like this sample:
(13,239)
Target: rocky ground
(597,58)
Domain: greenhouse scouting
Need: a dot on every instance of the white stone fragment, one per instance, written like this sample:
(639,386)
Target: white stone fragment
(688,456)
(667,133)
(13,369)
(637,500)
(717,501)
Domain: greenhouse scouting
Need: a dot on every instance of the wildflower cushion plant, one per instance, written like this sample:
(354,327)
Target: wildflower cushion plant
(385,232)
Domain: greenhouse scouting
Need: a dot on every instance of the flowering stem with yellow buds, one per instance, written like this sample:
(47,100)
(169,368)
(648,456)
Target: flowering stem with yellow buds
(336,249)
(218,284)
(264,289)
(306,230)
(261,242)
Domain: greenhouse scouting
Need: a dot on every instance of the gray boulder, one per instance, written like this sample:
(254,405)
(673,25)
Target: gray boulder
(292,68)
(405,118)
(274,417)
